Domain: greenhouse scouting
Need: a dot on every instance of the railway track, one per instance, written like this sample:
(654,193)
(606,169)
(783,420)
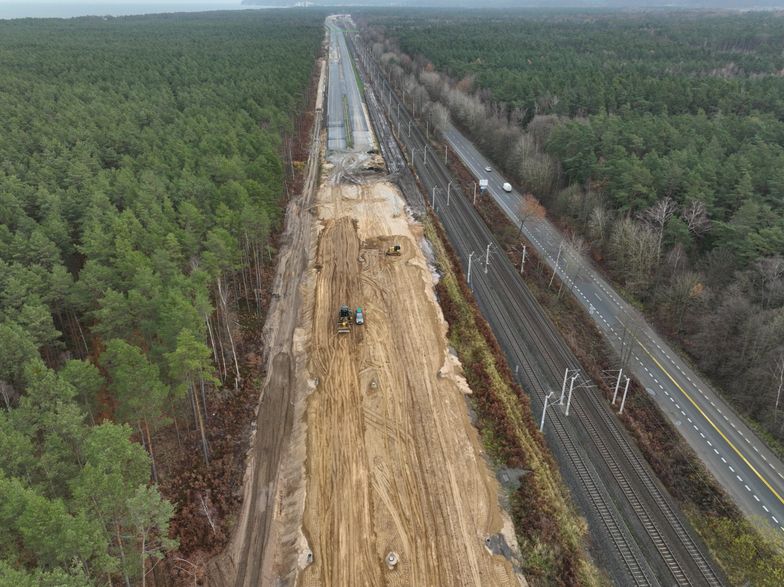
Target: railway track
(531,341)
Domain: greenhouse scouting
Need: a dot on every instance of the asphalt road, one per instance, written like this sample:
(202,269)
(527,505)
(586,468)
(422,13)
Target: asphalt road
(345,109)
(637,533)
(750,473)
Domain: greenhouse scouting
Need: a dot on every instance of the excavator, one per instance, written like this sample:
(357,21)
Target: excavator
(345,318)
(394,251)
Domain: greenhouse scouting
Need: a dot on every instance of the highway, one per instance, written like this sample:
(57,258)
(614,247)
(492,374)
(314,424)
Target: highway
(750,473)
(637,533)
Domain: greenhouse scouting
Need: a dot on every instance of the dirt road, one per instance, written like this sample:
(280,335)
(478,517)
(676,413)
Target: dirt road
(393,463)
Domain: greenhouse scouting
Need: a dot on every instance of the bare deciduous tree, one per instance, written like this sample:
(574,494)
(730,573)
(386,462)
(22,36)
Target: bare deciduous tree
(675,257)
(684,291)
(536,170)
(770,273)
(657,217)
(529,208)
(540,128)
(599,224)
(437,114)
(432,83)
(778,378)
(466,84)
(633,247)
(696,217)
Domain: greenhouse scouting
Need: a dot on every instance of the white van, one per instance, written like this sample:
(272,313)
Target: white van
(507,187)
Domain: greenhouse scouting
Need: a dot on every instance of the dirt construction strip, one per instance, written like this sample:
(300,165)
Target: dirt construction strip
(363,447)
(393,464)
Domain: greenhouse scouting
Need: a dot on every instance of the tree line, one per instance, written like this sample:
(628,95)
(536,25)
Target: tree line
(656,138)
(141,175)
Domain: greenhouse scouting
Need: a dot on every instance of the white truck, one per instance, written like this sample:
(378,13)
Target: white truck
(507,187)
(483,185)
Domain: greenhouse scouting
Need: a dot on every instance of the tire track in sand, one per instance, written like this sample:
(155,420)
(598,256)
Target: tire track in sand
(393,463)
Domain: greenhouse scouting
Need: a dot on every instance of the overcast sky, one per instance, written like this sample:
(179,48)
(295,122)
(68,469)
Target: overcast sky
(108,2)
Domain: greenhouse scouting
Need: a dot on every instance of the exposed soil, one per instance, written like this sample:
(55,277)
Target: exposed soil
(363,445)
(393,462)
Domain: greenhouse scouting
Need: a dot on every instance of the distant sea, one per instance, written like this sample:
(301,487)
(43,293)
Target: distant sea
(69,10)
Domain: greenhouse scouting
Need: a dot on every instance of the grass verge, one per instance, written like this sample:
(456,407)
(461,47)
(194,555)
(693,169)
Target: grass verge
(347,123)
(360,85)
(550,533)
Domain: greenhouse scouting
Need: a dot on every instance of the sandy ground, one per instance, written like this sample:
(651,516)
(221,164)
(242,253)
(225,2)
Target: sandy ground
(362,445)
(393,463)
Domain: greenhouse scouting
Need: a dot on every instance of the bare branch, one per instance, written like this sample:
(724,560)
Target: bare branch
(696,217)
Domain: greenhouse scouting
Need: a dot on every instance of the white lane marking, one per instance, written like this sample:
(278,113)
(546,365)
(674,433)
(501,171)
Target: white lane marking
(616,301)
(755,497)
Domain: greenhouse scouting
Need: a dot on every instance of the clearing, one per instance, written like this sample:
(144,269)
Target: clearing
(393,463)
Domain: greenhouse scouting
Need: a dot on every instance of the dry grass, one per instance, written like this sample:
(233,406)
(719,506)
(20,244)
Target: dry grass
(550,533)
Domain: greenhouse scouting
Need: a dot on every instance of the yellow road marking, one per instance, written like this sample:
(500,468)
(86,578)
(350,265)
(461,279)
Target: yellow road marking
(716,428)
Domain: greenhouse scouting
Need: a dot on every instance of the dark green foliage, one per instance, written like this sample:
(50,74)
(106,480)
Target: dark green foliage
(140,172)
(730,163)
(642,112)
(600,63)
(689,106)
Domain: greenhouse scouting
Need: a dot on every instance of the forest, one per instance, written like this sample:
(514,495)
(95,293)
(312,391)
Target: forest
(655,139)
(144,164)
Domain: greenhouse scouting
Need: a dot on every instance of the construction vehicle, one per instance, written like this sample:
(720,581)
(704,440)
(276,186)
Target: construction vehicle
(394,251)
(345,317)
